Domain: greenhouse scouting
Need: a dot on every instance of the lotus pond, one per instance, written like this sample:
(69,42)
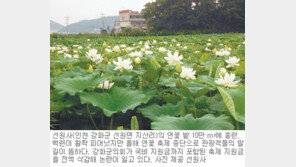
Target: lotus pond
(192,82)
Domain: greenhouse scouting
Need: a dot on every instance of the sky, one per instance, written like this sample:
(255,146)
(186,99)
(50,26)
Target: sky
(78,10)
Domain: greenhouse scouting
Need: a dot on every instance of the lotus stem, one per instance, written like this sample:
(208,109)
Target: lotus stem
(237,125)
(102,120)
(174,79)
(87,107)
(181,94)
(210,97)
(111,123)
(195,109)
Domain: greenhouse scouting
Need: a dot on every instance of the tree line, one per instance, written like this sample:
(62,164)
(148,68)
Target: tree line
(216,16)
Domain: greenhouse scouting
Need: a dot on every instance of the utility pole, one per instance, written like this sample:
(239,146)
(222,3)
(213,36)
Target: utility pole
(67,24)
(103,26)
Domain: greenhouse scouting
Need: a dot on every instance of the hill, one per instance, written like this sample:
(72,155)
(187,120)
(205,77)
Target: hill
(90,26)
(54,26)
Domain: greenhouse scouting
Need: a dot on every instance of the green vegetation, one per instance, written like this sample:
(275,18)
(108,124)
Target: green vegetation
(185,82)
(202,15)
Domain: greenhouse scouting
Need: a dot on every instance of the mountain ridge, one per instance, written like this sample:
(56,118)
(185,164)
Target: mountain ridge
(89,26)
(54,26)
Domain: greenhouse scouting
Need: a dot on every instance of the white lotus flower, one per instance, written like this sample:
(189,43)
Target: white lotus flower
(52,48)
(232,62)
(75,51)
(221,44)
(173,40)
(60,52)
(162,49)
(187,73)
(185,47)
(209,40)
(65,49)
(94,56)
(174,59)
(154,41)
(148,52)
(79,47)
(75,46)
(143,50)
(147,46)
(178,44)
(128,49)
(67,55)
(165,43)
(107,85)
(197,51)
(223,71)
(147,42)
(137,60)
(227,80)
(108,50)
(88,39)
(123,46)
(116,48)
(207,49)
(136,54)
(123,64)
(222,52)
(208,44)
(76,56)
(140,43)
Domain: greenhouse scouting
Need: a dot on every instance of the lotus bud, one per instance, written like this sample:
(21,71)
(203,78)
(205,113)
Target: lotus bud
(153,58)
(179,68)
(137,60)
(106,60)
(102,74)
(90,69)
(104,44)
(223,71)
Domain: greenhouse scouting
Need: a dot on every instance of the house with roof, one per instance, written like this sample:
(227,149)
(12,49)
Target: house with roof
(130,19)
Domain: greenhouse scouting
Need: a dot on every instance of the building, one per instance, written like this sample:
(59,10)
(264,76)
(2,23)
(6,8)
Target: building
(130,19)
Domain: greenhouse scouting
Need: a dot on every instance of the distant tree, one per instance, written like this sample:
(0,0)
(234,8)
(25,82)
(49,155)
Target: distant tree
(176,15)
(104,32)
(232,13)
(169,14)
